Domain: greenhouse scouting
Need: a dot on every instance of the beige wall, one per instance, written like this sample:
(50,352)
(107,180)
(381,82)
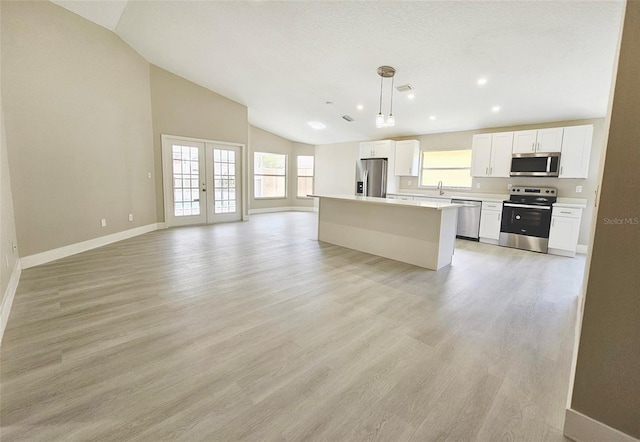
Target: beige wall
(8,257)
(566,187)
(181,107)
(607,377)
(336,167)
(262,141)
(78,127)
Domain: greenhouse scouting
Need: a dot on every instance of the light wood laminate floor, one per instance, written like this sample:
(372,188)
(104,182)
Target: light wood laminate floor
(256,331)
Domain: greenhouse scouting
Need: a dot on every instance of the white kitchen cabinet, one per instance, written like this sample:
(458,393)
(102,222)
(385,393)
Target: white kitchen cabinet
(541,140)
(490,219)
(576,151)
(565,228)
(377,149)
(491,155)
(407,157)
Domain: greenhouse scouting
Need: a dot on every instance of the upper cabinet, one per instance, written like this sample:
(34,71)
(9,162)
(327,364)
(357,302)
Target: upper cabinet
(377,149)
(491,155)
(407,157)
(541,140)
(576,151)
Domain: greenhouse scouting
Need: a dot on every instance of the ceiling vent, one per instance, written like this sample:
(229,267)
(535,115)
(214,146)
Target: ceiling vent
(404,88)
(348,118)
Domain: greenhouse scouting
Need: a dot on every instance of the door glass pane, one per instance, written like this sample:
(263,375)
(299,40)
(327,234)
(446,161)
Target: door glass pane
(185,180)
(224,166)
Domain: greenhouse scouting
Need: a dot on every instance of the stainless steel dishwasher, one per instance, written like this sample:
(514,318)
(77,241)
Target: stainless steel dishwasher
(468,219)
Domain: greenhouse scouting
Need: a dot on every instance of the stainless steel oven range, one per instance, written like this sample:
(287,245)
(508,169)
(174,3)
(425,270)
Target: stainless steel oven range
(526,218)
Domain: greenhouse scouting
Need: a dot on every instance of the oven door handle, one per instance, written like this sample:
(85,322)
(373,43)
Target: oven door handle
(527,206)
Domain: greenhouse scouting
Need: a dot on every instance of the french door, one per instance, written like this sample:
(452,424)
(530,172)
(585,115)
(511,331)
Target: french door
(202,181)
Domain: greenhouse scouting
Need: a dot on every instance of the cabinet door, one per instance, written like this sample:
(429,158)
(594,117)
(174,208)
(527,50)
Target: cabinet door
(382,149)
(549,140)
(501,145)
(524,141)
(481,155)
(576,151)
(366,149)
(564,233)
(490,224)
(407,152)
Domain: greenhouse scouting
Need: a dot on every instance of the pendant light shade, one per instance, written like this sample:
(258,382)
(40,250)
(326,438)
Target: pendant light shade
(391,121)
(381,120)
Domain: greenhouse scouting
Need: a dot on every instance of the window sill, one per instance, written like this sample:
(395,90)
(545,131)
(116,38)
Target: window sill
(269,197)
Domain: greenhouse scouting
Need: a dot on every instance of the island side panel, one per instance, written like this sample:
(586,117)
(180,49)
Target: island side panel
(448,227)
(403,233)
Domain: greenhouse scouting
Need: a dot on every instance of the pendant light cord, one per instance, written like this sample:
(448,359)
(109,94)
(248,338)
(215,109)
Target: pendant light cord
(391,107)
(380,110)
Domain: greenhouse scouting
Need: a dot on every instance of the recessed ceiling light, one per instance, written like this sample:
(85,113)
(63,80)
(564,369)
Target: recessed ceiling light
(316,125)
(495,108)
(482,81)
(359,107)
(432,117)
(411,96)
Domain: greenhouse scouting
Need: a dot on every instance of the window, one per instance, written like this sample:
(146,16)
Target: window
(305,175)
(452,167)
(269,175)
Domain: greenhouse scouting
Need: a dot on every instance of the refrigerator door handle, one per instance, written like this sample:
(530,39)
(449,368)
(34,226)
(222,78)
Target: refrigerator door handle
(365,177)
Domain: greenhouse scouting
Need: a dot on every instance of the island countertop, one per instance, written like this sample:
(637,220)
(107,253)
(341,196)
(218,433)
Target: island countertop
(386,201)
(421,233)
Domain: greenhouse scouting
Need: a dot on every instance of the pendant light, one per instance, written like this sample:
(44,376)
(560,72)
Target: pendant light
(390,121)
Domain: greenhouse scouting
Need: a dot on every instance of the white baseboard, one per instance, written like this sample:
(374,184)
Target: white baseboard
(582,428)
(62,252)
(582,249)
(162,226)
(9,294)
(283,209)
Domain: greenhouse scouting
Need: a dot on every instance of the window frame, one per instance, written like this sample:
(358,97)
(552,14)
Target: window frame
(286,187)
(312,176)
(422,169)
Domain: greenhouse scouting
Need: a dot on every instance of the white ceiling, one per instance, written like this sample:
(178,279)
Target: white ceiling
(543,60)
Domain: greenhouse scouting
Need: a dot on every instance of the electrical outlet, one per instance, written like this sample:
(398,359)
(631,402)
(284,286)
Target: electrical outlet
(131,217)
(148,174)
(509,186)
(14,247)
(409,182)
(578,189)
(103,222)
(477,185)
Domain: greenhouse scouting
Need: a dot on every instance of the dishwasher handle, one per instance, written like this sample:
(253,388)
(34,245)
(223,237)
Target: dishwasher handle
(467,203)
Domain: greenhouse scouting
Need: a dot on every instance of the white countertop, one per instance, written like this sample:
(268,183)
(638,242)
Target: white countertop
(489,197)
(387,201)
(571,203)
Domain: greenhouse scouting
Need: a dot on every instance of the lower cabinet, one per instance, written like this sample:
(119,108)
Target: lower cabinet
(490,218)
(565,228)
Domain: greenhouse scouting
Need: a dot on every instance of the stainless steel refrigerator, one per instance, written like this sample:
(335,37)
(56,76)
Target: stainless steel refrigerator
(371,177)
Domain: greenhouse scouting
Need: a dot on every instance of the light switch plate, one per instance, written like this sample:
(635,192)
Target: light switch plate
(103,222)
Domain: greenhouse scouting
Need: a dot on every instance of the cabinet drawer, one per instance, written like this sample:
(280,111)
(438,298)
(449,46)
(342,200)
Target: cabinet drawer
(491,206)
(567,212)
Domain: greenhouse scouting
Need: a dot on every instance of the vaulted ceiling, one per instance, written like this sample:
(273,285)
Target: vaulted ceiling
(292,62)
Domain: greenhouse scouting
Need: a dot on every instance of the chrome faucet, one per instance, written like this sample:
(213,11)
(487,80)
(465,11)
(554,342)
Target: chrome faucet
(440,188)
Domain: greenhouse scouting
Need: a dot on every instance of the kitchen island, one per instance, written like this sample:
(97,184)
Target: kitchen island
(416,232)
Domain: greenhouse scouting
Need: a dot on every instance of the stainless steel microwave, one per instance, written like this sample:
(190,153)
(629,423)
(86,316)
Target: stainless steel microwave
(535,164)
